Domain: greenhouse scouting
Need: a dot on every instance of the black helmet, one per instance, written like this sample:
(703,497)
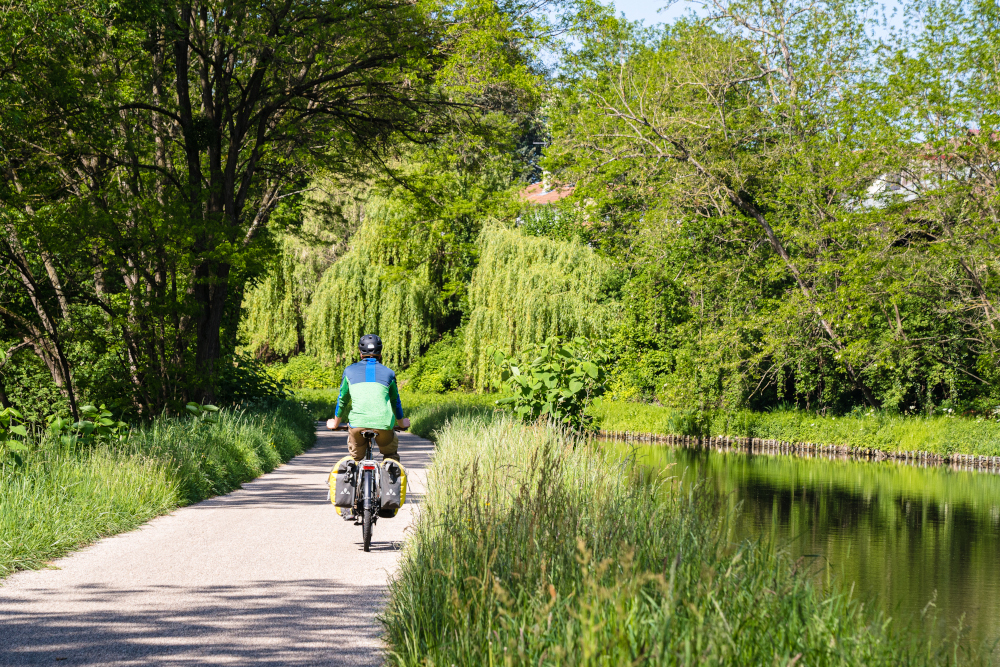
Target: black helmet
(370,344)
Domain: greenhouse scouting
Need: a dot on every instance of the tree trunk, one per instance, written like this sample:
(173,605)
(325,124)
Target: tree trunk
(45,341)
(4,401)
(211,290)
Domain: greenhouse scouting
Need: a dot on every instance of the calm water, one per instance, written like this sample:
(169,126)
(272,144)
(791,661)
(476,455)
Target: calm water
(904,537)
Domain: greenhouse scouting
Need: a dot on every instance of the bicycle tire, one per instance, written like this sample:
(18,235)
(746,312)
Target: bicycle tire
(366,529)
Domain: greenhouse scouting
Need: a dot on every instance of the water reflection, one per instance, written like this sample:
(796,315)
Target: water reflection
(908,539)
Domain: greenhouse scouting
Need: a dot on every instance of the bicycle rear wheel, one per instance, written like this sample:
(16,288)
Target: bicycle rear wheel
(366,529)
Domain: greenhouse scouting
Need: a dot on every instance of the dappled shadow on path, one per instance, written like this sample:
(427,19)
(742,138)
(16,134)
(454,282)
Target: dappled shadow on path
(300,622)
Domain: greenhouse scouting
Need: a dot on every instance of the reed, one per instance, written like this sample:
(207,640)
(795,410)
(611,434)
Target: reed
(536,548)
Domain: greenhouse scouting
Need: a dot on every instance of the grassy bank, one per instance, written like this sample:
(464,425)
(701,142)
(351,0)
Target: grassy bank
(532,551)
(62,498)
(427,411)
(942,434)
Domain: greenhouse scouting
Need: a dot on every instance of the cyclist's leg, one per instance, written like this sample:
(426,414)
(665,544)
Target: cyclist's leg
(388,443)
(355,443)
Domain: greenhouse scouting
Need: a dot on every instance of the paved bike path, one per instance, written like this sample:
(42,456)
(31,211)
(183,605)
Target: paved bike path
(267,575)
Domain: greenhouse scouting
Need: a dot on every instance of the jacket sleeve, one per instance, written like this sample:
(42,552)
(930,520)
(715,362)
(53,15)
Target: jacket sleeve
(345,392)
(397,405)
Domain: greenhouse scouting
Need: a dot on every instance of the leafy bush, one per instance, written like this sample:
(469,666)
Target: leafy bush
(305,371)
(440,369)
(247,381)
(558,380)
(95,425)
(10,426)
(206,414)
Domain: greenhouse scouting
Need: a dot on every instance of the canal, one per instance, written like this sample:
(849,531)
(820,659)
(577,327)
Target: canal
(922,544)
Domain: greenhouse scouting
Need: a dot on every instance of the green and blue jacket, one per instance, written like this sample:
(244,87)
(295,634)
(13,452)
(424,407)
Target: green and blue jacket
(374,395)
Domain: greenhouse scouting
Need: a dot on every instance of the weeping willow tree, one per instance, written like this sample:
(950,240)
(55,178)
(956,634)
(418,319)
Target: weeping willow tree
(369,291)
(526,289)
(274,311)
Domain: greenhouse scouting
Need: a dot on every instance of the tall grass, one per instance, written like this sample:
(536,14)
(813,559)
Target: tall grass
(941,434)
(62,498)
(533,549)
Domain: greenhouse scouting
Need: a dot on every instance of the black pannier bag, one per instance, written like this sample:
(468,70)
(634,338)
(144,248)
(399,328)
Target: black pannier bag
(343,482)
(392,488)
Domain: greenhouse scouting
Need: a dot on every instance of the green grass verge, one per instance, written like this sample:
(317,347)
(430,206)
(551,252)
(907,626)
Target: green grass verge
(875,430)
(61,499)
(535,550)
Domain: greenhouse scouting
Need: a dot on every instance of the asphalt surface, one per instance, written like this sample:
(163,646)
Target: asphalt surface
(267,575)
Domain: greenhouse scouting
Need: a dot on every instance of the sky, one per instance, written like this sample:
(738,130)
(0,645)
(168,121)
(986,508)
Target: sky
(647,10)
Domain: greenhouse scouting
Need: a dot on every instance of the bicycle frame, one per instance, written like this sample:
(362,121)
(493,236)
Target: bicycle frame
(368,494)
(368,500)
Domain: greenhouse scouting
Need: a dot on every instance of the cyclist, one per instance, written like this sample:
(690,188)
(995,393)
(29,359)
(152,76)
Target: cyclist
(375,403)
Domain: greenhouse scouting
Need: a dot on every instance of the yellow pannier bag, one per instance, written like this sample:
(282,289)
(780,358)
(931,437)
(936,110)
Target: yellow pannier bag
(343,482)
(392,487)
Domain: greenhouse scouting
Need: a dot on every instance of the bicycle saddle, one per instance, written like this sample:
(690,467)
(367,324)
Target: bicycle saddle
(367,433)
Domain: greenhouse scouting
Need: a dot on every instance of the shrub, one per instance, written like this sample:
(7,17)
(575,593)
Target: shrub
(557,380)
(305,372)
(440,369)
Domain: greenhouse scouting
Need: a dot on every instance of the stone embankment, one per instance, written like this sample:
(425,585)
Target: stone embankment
(810,450)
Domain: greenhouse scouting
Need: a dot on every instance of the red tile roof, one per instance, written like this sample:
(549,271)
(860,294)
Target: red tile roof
(534,194)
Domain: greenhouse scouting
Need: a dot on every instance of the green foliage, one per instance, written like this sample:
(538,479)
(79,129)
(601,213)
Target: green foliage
(36,396)
(364,293)
(311,236)
(527,289)
(441,368)
(203,414)
(96,425)
(247,380)
(557,380)
(756,285)
(576,558)
(62,497)
(305,371)
(273,322)
(181,183)
(12,428)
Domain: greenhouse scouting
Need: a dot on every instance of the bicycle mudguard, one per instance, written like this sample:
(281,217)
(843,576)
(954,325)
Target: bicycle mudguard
(343,482)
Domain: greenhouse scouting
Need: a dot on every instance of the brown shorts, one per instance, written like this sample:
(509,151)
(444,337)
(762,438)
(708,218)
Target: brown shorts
(386,439)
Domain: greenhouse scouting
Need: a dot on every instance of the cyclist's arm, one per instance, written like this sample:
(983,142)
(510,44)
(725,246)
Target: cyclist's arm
(397,405)
(345,392)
